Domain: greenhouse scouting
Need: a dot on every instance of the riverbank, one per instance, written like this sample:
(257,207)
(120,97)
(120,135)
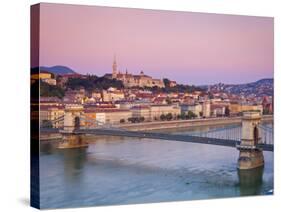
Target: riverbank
(158,125)
(50,136)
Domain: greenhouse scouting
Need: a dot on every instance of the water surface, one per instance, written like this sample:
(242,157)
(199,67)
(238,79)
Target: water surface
(121,170)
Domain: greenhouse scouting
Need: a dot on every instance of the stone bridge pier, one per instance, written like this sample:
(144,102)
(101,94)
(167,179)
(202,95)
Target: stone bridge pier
(250,156)
(73,120)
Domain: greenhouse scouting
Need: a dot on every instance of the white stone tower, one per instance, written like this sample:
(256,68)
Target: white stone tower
(251,156)
(73,120)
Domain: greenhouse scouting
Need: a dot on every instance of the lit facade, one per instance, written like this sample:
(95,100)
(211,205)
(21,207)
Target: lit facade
(130,80)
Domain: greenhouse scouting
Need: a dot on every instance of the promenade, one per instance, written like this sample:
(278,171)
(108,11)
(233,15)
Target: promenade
(158,125)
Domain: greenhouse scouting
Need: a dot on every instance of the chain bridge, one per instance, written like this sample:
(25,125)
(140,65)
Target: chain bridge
(251,137)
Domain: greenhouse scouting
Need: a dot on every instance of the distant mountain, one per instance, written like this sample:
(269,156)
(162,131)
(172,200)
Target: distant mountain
(57,70)
(268,81)
(259,88)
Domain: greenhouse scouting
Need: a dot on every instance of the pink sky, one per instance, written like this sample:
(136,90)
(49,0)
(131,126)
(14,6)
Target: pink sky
(192,48)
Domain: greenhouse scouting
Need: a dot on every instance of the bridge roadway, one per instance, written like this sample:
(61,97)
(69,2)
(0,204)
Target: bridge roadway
(166,136)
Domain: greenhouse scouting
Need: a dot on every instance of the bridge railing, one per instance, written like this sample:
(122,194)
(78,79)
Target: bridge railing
(61,118)
(95,124)
(235,133)
(226,133)
(266,134)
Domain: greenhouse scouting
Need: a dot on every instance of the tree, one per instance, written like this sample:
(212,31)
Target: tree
(169,116)
(166,82)
(92,82)
(51,90)
(191,115)
(136,119)
(182,115)
(168,100)
(227,111)
(162,117)
(266,111)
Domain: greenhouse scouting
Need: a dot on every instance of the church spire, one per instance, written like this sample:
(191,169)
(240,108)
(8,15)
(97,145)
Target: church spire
(114,67)
(114,58)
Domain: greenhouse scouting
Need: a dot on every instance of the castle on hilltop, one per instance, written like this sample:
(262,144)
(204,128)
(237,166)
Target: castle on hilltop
(130,80)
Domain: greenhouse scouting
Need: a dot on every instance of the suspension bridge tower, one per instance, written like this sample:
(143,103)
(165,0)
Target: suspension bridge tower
(73,120)
(250,156)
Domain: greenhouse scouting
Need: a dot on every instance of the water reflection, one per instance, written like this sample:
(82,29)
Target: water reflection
(46,147)
(250,181)
(74,160)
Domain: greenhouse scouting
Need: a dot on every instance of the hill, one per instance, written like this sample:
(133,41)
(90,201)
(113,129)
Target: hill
(58,70)
(259,88)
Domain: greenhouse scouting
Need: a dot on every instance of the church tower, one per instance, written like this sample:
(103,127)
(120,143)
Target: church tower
(114,68)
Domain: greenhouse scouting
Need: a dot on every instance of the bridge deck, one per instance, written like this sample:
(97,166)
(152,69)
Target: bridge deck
(162,136)
(165,136)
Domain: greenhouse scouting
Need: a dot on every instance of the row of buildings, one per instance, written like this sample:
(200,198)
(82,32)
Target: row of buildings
(134,103)
(52,109)
(53,112)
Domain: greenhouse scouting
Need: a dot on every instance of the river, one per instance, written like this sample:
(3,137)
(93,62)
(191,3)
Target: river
(120,170)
